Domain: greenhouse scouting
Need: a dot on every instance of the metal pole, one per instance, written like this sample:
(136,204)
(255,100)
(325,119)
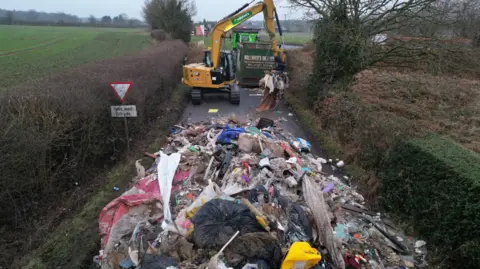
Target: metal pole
(126,133)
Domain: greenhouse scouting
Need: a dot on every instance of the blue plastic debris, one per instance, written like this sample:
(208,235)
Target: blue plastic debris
(301,145)
(228,134)
(127,264)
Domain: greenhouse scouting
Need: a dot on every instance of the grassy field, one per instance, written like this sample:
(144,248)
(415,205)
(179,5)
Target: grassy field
(27,52)
(289,38)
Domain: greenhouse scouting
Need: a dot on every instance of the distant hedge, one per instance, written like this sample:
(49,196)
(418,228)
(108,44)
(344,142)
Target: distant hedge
(435,183)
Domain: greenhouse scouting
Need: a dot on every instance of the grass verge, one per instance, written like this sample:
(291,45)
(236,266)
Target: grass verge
(76,240)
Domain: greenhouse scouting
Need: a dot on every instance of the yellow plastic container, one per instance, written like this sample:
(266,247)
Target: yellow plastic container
(301,256)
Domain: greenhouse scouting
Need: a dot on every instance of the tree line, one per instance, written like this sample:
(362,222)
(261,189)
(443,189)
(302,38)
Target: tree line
(33,17)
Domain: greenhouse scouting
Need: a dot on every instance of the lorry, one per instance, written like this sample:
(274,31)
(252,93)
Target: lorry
(240,35)
(252,60)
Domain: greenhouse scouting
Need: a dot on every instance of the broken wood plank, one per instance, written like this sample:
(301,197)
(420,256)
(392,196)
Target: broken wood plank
(316,203)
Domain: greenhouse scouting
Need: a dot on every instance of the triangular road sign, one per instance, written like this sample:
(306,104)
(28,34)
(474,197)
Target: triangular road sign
(121,89)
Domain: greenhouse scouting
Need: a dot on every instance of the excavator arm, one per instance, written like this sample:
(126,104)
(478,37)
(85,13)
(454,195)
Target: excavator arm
(234,19)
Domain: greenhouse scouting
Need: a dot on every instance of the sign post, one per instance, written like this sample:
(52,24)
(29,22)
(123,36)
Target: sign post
(121,89)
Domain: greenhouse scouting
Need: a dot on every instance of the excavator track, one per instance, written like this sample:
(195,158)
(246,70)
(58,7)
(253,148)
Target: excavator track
(234,95)
(196,94)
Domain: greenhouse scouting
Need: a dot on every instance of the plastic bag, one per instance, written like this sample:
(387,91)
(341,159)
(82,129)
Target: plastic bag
(210,192)
(183,223)
(166,171)
(299,228)
(216,222)
(301,145)
(158,262)
(228,134)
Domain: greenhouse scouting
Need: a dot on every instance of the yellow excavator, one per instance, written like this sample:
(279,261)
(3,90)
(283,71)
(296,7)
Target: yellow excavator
(217,72)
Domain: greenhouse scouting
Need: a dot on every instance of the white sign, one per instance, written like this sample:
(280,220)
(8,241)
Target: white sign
(129,111)
(202,27)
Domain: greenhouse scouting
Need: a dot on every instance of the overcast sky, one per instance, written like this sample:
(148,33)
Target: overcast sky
(208,9)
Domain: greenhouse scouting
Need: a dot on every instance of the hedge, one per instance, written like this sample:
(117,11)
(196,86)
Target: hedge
(435,184)
(57,136)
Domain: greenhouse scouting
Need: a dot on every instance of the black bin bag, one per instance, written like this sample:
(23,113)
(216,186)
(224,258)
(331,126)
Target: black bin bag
(218,220)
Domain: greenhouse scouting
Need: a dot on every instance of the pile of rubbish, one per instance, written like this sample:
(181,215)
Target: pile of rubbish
(229,195)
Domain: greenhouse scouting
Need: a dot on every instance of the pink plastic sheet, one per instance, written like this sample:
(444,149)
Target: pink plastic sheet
(145,191)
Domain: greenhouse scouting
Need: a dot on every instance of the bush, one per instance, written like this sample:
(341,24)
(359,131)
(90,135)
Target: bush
(435,184)
(56,132)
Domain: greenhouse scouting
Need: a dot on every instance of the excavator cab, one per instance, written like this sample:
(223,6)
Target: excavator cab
(226,71)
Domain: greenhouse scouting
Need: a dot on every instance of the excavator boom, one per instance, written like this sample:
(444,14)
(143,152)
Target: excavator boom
(234,19)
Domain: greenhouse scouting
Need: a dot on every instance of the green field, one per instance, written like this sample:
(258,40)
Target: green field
(289,38)
(27,52)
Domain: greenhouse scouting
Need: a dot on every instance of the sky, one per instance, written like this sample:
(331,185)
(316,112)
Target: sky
(207,9)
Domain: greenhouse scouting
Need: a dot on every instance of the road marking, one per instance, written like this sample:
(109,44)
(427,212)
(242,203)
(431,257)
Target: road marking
(213,110)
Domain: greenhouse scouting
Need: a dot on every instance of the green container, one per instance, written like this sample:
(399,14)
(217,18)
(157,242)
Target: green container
(252,60)
(243,35)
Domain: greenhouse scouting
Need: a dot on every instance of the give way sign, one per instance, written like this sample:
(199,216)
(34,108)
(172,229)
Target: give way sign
(121,89)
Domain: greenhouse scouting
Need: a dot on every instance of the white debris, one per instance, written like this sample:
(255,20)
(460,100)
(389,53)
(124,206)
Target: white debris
(420,243)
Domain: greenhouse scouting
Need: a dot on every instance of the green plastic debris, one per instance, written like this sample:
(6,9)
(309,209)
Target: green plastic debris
(193,149)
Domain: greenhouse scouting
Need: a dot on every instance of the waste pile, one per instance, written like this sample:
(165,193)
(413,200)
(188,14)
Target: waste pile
(225,194)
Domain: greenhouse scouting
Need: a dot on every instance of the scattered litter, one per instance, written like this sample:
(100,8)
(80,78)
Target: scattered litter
(420,243)
(265,162)
(301,145)
(328,187)
(265,123)
(224,194)
(302,256)
(290,114)
(140,169)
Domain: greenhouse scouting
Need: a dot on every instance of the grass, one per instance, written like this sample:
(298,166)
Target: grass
(289,38)
(33,51)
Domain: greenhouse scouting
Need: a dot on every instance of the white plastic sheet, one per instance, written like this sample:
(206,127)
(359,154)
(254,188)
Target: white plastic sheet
(166,171)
